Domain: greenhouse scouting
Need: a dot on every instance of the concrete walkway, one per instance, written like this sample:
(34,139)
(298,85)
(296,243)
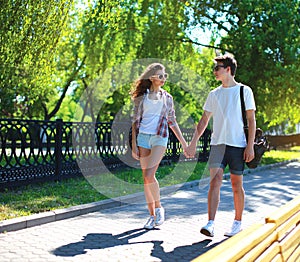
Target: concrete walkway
(117,234)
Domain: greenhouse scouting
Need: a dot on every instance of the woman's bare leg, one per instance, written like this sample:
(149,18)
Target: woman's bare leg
(150,160)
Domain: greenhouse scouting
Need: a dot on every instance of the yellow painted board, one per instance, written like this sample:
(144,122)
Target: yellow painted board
(283,213)
(237,246)
(290,242)
(270,253)
(278,258)
(295,256)
(264,246)
(287,226)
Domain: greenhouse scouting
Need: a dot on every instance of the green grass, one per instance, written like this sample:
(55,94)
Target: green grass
(275,156)
(55,195)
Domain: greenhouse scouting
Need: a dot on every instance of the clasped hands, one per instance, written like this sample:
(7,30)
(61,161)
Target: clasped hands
(189,151)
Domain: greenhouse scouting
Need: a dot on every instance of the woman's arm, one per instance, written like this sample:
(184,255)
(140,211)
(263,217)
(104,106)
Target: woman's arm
(176,130)
(134,148)
(135,118)
(174,125)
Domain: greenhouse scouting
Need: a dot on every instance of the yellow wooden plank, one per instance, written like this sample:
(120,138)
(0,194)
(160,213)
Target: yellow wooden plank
(278,258)
(270,253)
(284,212)
(237,246)
(290,242)
(262,247)
(250,243)
(288,225)
(295,256)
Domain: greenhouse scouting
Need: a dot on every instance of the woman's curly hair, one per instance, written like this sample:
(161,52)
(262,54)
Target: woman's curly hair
(143,83)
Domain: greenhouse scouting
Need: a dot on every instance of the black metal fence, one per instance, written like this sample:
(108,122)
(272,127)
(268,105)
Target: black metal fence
(34,151)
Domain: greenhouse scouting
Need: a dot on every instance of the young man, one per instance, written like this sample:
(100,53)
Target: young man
(228,142)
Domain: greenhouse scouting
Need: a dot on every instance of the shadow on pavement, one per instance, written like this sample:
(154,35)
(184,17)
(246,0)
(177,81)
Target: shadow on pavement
(104,240)
(182,253)
(98,241)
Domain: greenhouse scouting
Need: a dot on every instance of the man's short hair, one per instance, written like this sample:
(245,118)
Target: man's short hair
(228,60)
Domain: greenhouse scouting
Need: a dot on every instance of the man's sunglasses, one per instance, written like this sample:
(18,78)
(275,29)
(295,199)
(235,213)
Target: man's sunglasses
(161,76)
(217,67)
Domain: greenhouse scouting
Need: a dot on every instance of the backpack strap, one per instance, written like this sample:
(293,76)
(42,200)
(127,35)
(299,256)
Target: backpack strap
(243,106)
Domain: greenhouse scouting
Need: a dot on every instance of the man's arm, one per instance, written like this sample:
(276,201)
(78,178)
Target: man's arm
(201,126)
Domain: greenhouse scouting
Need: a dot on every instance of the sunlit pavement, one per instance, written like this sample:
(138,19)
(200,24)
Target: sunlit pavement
(117,234)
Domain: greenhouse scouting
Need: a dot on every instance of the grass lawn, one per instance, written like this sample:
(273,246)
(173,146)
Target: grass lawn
(54,195)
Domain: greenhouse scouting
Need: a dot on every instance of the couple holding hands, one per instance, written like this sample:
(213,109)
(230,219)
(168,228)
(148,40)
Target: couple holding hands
(154,113)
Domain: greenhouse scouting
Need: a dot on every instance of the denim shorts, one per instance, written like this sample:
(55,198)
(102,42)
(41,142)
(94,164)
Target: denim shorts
(148,141)
(223,155)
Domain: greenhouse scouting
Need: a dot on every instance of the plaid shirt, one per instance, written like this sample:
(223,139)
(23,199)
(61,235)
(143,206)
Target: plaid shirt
(167,116)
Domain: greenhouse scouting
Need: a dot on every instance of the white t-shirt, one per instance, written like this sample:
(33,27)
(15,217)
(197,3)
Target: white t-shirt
(225,106)
(152,111)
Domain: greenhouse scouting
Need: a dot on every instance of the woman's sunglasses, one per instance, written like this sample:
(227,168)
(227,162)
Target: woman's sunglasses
(161,76)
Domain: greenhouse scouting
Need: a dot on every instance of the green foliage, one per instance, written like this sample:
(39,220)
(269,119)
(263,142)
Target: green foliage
(127,33)
(29,35)
(264,37)
(55,53)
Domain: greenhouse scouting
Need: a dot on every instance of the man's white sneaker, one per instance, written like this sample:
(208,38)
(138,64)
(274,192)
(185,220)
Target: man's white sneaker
(236,228)
(150,223)
(160,215)
(208,230)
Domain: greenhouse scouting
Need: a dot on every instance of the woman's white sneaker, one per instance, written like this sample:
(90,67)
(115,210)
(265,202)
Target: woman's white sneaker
(150,223)
(208,229)
(160,216)
(236,228)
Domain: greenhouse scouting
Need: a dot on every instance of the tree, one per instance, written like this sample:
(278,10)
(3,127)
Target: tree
(53,50)
(116,33)
(29,35)
(264,37)
(90,43)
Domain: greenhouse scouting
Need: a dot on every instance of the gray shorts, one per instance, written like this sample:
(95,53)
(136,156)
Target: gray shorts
(223,155)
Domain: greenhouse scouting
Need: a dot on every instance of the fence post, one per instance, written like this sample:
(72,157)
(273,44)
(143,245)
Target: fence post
(205,145)
(58,148)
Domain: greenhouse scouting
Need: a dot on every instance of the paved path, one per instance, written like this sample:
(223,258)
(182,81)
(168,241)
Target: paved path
(116,234)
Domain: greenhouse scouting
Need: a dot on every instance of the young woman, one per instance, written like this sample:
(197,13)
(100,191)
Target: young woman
(153,114)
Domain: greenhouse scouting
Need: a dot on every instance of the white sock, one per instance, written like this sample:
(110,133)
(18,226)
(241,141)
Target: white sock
(212,222)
